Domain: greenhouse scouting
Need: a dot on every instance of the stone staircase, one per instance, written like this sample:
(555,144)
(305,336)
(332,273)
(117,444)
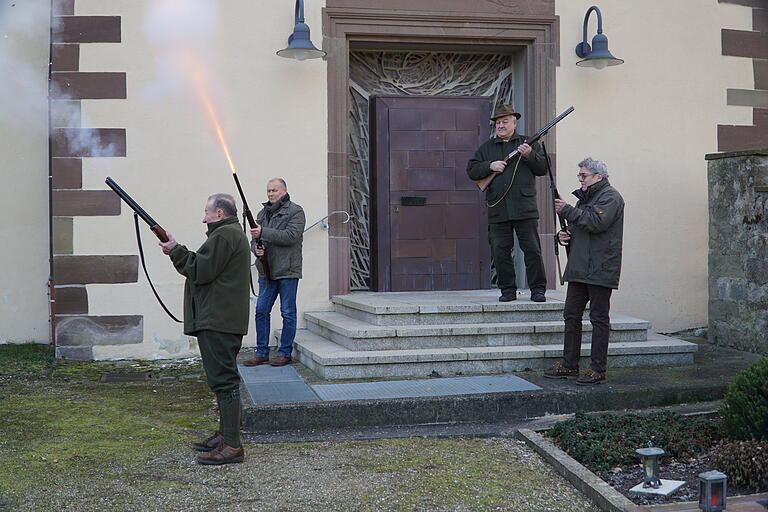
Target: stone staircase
(418,334)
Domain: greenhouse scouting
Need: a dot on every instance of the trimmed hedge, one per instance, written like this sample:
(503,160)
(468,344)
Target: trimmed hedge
(745,408)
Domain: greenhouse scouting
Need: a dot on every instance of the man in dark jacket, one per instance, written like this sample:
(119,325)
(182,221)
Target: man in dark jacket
(216,305)
(595,233)
(511,201)
(278,236)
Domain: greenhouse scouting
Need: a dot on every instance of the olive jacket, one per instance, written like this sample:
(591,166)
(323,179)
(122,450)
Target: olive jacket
(282,233)
(216,293)
(596,224)
(520,201)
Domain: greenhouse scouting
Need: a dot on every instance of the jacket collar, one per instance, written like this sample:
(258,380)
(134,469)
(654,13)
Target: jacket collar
(273,207)
(213,226)
(499,140)
(591,190)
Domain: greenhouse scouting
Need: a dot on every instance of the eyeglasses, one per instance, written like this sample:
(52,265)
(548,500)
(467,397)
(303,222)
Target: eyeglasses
(583,176)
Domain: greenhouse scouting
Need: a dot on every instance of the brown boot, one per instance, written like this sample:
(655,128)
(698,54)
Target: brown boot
(223,454)
(591,377)
(560,371)
(256,361)
(280,361)
(209,444)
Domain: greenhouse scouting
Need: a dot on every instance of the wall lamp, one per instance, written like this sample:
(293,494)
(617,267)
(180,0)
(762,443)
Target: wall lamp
(300,46)
(598,56)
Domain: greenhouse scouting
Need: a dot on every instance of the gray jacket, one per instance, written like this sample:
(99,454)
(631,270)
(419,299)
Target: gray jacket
(282,233)
(596,224)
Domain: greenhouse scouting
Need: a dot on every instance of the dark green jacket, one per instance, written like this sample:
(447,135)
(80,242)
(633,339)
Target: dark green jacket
(520,202)
(596,224)
(216,293)
(282,233)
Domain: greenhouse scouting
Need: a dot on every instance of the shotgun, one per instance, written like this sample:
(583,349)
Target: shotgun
(154,226)
(483,183)
(252,224)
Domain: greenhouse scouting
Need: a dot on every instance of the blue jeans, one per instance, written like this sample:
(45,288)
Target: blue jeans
(286,289)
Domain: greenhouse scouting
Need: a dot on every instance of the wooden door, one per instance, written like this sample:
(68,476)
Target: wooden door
(429,219)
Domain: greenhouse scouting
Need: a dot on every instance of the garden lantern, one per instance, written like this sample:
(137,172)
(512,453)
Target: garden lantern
(650,459)
(712,490)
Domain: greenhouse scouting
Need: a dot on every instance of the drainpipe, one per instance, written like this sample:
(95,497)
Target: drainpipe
(51,294)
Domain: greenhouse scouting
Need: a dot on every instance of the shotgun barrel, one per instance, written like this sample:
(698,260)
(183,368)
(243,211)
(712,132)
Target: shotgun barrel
(252,224)
(133,205)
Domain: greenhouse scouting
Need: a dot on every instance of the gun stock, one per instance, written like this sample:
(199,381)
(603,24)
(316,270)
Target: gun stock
(133,205)
(483,183)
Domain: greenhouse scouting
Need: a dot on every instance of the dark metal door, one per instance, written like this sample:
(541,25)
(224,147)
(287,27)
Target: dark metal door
(430,222)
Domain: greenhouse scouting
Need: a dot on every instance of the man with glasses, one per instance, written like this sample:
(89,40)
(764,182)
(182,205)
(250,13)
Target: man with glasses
(595,232)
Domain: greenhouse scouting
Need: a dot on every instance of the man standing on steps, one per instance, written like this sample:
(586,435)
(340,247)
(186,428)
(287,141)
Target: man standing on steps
(595,234)
(511,201)
(216,305)
(278,234)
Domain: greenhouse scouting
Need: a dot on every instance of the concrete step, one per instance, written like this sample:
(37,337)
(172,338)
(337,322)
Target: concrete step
(426,308)
(355,334)
(334,361)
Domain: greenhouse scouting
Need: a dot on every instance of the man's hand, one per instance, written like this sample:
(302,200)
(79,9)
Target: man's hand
(256,232)
(559,204)
(170,244)
(498,166)
(563,237)
(260,251)
(524,149)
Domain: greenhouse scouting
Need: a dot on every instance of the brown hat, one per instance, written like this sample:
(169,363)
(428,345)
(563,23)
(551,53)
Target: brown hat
(505,110)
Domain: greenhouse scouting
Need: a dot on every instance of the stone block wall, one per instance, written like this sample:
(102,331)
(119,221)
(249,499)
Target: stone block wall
(738,249)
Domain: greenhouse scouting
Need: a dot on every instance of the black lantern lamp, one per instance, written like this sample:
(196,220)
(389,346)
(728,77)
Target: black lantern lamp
(713,486)
(598,55)
(650,459)
(300,46)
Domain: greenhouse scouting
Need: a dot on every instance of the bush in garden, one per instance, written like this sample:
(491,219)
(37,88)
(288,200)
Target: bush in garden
(745,408)
(604,441)
(744,462)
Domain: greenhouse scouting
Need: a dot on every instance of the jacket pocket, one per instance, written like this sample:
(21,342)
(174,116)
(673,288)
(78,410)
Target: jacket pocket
(528,192)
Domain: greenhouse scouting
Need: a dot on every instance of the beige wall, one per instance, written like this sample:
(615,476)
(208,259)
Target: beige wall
(652,120)
(273,112)
(24,167)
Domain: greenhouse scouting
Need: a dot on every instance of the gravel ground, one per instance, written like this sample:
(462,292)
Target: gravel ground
(382,475)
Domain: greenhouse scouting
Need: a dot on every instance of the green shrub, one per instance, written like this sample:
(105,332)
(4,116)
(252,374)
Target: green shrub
(609,440)
(745,408)
(745,463)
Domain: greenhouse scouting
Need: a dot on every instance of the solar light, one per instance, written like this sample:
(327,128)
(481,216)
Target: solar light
(713,486)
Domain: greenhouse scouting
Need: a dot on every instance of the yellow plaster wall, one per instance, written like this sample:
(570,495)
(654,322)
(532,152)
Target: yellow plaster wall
(652,120)
(24,166)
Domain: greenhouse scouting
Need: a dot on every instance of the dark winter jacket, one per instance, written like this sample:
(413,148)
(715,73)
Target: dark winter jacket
(216,293)
(596,224)
(282,233)
(520,201)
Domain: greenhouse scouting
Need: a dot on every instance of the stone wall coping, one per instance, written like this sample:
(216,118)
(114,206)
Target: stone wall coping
(736,154)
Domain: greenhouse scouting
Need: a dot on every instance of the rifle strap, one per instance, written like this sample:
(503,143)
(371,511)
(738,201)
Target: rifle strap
(512,181)
(144,266)
(250,273)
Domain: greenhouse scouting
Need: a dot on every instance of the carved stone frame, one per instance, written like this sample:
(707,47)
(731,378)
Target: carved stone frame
(537,35)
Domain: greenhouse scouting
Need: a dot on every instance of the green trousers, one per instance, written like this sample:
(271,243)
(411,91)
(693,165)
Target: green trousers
(219,352)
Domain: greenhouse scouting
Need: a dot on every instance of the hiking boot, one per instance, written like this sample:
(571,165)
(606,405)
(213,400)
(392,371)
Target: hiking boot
(538,296)
(206,445)
(559,371)
(256,361)
(591,377)
(223,454)
(280,361)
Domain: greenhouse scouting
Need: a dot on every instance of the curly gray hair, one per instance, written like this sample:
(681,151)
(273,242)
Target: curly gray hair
(594,166)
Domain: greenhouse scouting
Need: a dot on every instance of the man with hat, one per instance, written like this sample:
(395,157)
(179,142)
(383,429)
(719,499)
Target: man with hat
(511,201)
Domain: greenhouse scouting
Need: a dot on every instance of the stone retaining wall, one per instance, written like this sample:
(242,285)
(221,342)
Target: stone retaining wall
(738,249)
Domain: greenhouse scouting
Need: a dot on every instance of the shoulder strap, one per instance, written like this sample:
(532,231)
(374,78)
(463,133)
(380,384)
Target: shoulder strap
(144,266)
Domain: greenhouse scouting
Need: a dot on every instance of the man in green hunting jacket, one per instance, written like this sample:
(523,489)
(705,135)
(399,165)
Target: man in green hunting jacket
(595,234)
(216,307)
(511,201)
(278,236)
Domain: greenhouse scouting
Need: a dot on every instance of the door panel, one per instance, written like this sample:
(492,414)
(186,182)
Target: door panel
(430,220)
